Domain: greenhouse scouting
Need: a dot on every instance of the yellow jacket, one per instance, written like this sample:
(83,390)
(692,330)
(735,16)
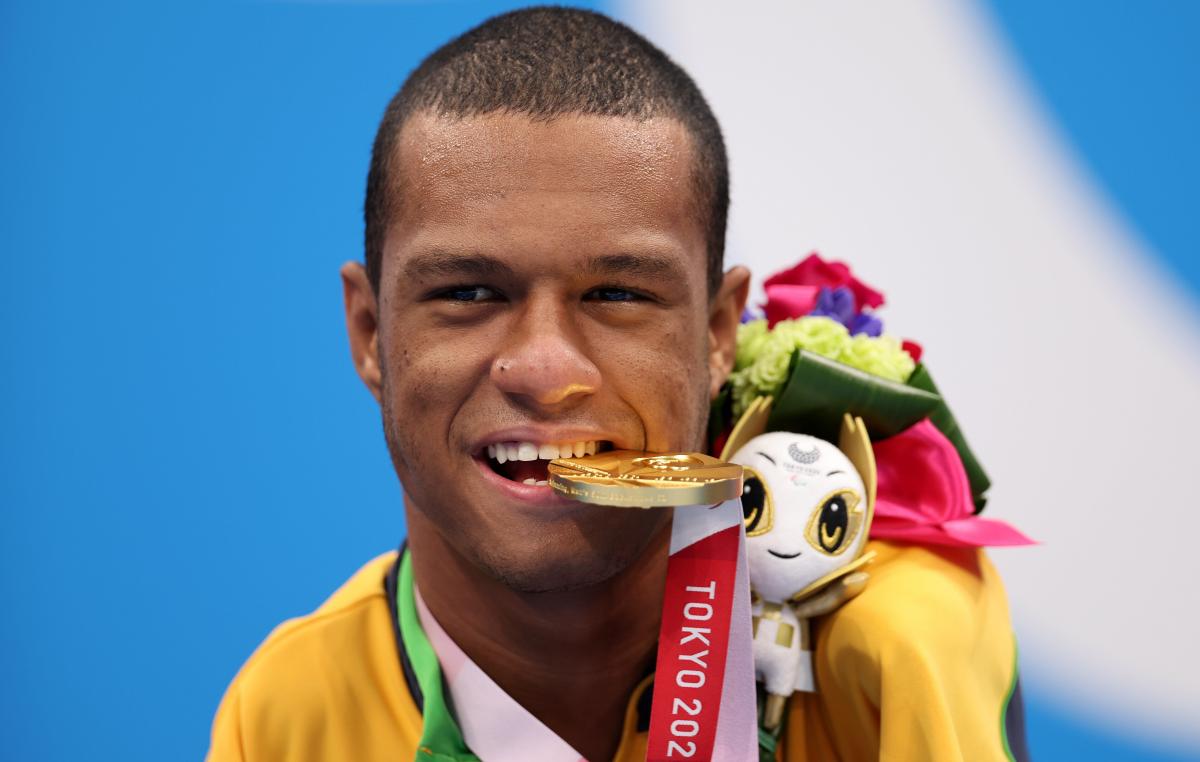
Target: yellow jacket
(921,665)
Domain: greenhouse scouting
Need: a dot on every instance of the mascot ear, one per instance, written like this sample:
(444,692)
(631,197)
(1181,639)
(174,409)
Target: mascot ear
(752,423)
(856,445)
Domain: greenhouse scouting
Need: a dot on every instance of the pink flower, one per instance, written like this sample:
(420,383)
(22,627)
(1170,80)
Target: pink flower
(913,348)
(793,293)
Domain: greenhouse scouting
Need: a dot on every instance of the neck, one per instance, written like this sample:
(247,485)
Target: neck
(570,658)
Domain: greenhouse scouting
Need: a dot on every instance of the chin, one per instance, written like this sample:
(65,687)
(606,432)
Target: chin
(567,559)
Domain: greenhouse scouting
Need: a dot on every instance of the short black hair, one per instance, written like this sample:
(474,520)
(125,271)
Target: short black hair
(546,62)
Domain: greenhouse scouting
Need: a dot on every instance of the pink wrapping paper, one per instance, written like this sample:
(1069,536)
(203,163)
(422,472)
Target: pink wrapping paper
(924,496)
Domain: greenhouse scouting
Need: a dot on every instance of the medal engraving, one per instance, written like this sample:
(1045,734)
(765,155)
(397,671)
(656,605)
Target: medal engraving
(633,479)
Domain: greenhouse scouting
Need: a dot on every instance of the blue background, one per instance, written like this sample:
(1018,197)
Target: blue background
(186,456)
(1122,80)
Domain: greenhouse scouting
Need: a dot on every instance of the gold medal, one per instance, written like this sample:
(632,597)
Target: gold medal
(632,479)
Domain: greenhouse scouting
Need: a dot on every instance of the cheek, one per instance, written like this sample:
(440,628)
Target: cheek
(664,377)
(817,565)
(425,383)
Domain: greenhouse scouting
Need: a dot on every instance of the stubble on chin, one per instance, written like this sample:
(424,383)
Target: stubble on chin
(560,565)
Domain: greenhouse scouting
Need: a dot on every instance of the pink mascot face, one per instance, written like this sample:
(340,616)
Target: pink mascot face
(806,509)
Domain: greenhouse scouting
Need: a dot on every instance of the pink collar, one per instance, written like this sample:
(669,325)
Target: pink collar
(495,727)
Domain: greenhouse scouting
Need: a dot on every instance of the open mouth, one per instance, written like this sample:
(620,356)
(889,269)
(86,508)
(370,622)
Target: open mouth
(527,462)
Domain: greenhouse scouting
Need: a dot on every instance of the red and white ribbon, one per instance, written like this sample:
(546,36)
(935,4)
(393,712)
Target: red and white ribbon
(704,696)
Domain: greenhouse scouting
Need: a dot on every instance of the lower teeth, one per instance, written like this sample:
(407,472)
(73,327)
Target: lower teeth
(536,482)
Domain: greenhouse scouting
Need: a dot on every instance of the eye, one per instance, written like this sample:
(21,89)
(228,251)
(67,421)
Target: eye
(757,512)
(612,294)
(469,294)
(833,524)
(836,522)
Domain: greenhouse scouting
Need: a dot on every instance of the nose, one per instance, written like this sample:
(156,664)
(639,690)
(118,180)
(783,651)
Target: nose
(543,363)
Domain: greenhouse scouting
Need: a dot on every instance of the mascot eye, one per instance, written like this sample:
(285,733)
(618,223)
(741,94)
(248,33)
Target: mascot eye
(756,505)
(836,523)
(831,529)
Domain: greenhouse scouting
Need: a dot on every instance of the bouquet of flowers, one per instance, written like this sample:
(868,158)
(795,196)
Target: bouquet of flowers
(820,352)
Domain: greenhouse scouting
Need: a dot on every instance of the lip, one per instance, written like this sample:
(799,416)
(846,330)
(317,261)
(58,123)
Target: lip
(543,435)
(532,494)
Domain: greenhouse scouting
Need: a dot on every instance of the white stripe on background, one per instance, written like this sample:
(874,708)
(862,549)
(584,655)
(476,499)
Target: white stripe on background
(898,136)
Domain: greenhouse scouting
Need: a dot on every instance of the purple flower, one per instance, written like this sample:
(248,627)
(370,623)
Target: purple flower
(865,322)
(836,303)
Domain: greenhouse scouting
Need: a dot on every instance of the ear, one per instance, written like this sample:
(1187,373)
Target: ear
(724,314)
(362,325)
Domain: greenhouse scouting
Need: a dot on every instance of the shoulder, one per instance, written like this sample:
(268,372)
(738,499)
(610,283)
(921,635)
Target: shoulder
(355,613)
(320,677)
(921,600)
(919,666)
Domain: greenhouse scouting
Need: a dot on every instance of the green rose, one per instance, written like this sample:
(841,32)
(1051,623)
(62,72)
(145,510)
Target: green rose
(821,335)
(763,356)
(882,356)
(750,339)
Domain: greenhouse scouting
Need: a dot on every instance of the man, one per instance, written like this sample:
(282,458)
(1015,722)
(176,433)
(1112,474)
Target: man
(545,221)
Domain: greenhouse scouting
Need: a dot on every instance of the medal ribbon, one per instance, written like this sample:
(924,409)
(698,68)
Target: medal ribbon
(704,697)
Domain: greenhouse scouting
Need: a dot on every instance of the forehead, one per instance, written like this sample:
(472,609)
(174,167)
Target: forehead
(797,459)
(538,184)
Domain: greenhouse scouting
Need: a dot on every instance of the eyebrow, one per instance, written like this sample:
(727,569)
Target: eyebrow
(831,473)
(442,264)
(768,457)
(646,266)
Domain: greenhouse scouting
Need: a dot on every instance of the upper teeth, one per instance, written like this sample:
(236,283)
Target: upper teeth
(506,451)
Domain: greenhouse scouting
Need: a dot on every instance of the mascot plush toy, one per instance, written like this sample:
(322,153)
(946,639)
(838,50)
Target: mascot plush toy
(808,506)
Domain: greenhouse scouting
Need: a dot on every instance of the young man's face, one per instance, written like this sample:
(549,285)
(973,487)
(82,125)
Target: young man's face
(543,284)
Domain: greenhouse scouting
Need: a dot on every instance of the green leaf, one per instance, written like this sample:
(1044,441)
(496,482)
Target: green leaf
(819,391)
(948,425)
